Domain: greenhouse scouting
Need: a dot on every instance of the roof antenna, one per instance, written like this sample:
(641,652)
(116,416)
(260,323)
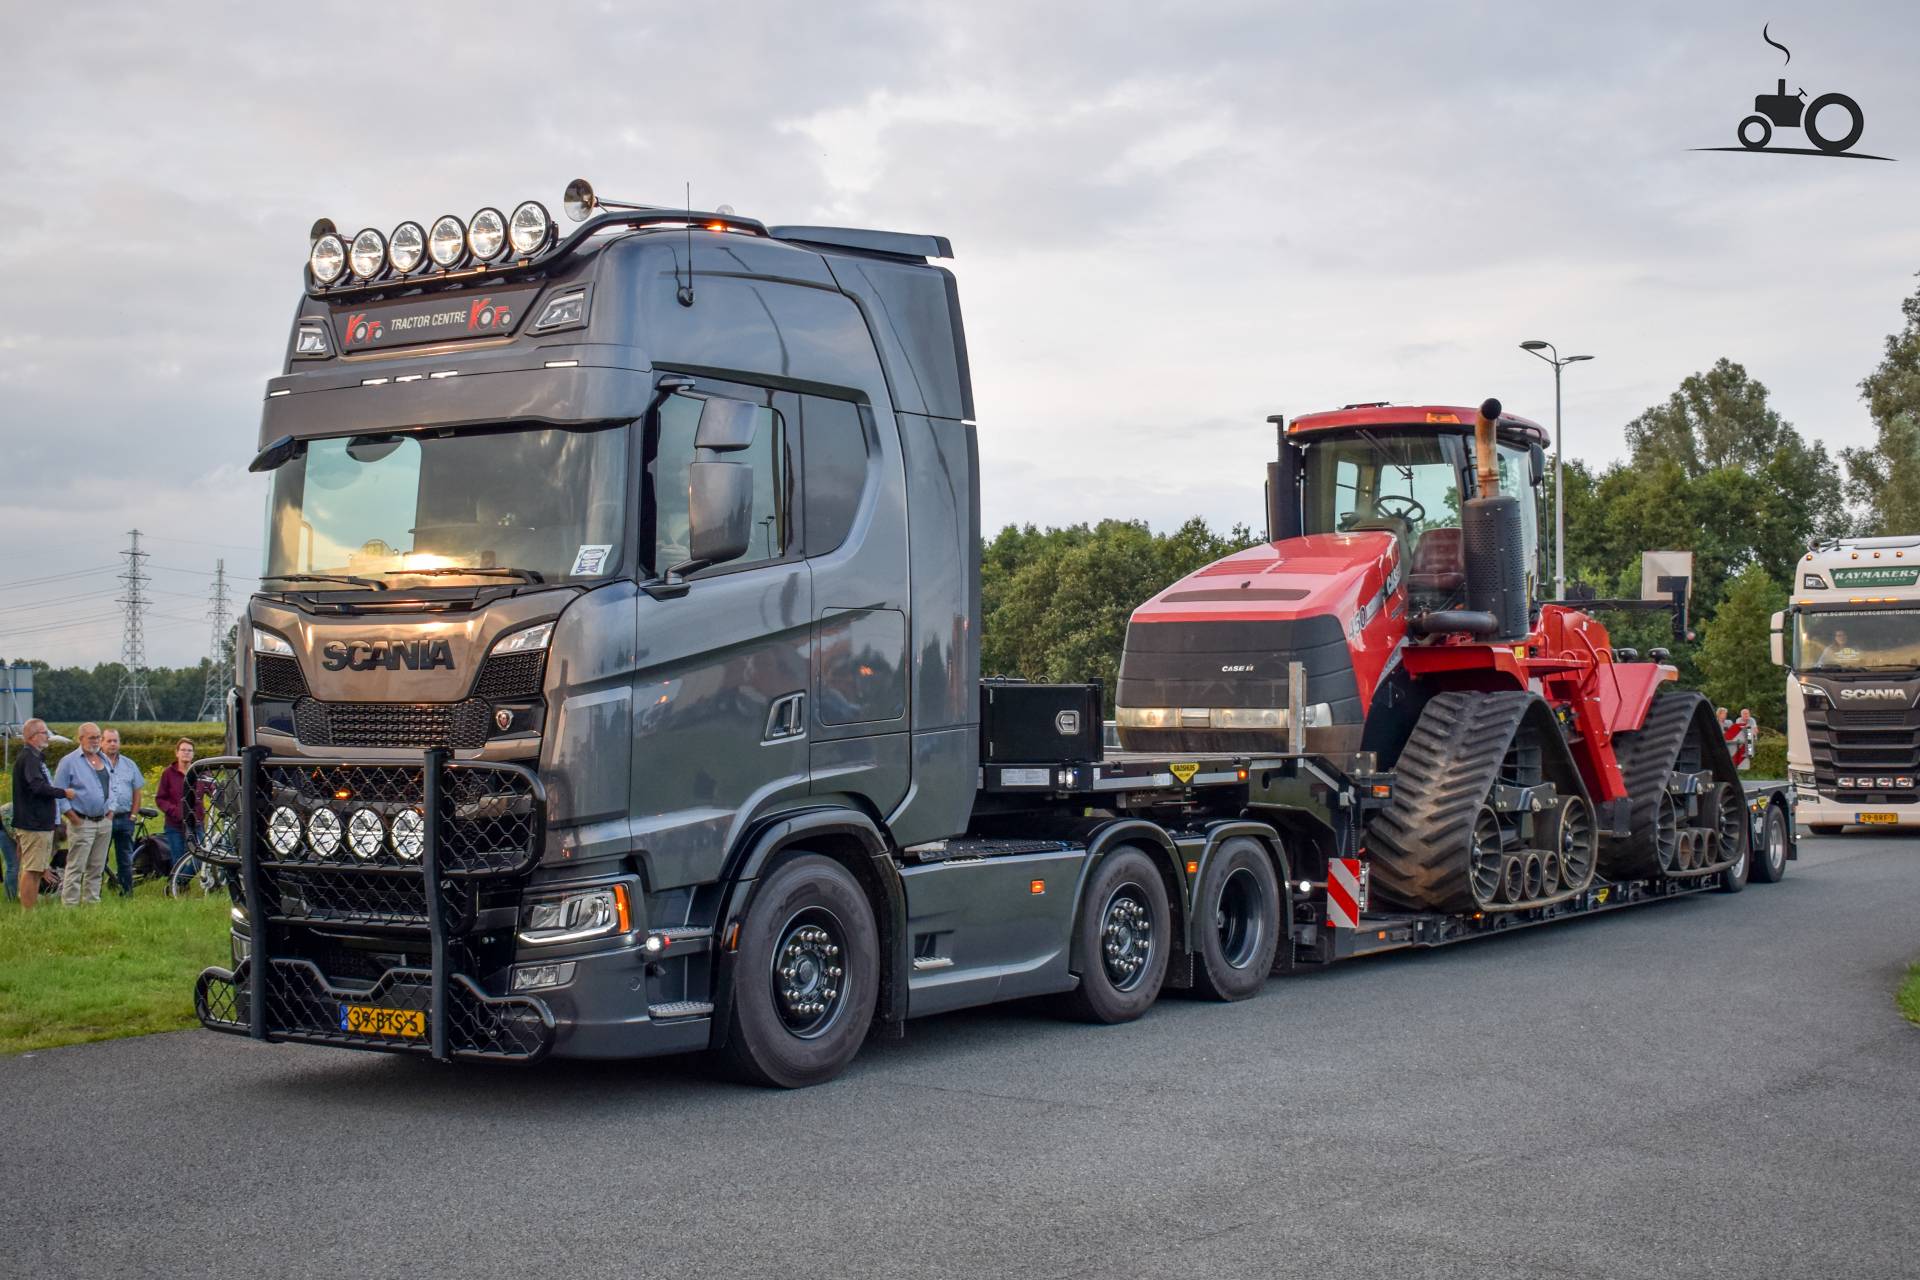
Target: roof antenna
(685,292)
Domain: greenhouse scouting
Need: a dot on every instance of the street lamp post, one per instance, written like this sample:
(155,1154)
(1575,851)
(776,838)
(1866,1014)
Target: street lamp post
(1535,346)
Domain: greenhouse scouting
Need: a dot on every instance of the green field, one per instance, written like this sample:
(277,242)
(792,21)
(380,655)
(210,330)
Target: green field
(122,967)
(1908,996)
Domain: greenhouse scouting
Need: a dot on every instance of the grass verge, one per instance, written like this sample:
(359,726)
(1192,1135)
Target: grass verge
(122,967)
(1908,997)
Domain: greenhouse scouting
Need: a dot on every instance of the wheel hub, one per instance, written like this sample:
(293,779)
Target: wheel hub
(1126,937)
(808,974)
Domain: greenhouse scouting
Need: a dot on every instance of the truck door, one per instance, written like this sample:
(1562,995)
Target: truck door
(722,671)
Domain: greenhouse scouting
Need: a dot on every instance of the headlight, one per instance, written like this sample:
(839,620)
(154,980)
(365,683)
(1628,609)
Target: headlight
(567,310)
(365,833)
(447,243)
(323,832)
(487,234)
(409,834)
(328,258)
(576,916)
(369,254)
(267,642)
(283,831)
(525,640)
(407,247)
(528,228)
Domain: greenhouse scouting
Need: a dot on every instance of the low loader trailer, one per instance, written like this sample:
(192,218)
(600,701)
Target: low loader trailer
(613,688)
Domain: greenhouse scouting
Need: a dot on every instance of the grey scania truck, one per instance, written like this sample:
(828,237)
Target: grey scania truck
(613,688)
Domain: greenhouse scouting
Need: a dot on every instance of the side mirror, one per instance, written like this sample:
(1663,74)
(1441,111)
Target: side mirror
(1537,457)
(725,425)
(719,510)
(1777,641)
(275,455)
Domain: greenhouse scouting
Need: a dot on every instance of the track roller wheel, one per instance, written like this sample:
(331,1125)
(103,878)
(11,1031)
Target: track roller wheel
(1568,830)
(1666,834)
(1549,873)
(1488,859)
(1684,850)
(1532,875)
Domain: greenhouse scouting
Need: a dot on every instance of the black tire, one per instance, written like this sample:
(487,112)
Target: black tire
(1237,911)
(1769,861)
(1724,808)
(1812,119)
(771,1039)
(1126,891)
(1766,132)
(1826,829)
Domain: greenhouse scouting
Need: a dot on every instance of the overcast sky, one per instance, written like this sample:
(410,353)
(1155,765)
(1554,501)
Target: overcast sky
(1170,221)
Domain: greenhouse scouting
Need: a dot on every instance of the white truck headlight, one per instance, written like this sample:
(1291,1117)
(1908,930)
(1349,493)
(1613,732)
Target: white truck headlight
(573,917)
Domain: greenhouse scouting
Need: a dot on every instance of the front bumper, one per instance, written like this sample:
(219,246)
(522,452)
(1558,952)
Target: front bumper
(435,899)
(1813,810)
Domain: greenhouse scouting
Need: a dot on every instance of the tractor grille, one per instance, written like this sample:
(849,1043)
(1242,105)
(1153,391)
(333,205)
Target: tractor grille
(278,677)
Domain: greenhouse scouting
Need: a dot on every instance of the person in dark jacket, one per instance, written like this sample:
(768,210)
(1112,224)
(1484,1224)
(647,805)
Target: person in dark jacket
(34,801)
(184,812)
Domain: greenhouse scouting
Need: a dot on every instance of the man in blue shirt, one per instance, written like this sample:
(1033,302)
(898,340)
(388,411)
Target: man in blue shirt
(124,782)
(89,816)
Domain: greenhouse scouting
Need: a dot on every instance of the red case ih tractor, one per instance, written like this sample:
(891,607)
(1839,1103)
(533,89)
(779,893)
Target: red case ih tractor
(1527,754)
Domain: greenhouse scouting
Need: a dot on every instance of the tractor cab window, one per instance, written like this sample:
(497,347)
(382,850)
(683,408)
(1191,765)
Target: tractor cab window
(1403,483)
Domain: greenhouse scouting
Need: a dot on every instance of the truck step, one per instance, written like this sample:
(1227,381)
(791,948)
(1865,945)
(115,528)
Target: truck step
(679,1009)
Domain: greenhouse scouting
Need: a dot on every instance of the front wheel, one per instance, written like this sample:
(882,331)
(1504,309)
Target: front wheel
(1238,908)
(805,978)
(1750,140)
(1124,934)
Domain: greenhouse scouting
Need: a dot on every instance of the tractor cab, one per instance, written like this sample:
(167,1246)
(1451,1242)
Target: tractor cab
(1404,470)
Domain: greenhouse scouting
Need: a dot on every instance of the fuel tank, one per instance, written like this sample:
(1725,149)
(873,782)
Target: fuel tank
(1206,662)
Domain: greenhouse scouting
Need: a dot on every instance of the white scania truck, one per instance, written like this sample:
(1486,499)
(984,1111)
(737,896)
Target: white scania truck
(1850,640)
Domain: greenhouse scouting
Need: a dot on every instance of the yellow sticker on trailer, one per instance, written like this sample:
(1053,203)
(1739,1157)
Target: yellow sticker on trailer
(1184,771)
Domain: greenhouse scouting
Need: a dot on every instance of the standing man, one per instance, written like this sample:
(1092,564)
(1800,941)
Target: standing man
(1749,738)
(35,798)
(84,774)
(124,782)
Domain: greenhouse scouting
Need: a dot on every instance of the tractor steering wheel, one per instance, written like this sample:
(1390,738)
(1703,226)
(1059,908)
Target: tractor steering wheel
(1410,509)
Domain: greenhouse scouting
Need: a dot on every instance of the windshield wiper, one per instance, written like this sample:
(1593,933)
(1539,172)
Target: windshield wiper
(503,571)
(349,579)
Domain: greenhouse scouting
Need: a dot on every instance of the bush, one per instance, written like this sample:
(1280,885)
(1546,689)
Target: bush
(1769,755)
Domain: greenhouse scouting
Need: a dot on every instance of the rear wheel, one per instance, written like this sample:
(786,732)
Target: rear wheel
(1123,936)
(1238,908)
(805,978)
(1776,836)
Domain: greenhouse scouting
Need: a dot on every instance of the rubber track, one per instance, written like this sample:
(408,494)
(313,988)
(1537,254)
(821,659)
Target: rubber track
(1420,842)
(1646,757)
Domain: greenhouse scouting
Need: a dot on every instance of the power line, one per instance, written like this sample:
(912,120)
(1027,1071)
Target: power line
(55,577)
(213,698)
(133,643)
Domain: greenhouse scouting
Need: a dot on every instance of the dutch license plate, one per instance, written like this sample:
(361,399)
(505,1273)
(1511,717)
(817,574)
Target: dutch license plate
(1877,819)
(371,1020)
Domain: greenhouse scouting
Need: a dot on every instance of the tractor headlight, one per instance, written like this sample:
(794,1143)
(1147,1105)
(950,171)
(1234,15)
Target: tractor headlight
(283,831)
(447,242)
(328,258)
(369,254)
(407,247)
(365,833)
(487,234)
(529,227)
(323,832)
(409,834)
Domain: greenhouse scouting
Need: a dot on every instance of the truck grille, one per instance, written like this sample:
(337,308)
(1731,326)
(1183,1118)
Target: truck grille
(279,677)
(455,725)
(508,677)
(1851,741)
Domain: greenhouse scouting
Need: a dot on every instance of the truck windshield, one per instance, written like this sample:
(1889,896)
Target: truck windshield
(546,502)
(1857,640)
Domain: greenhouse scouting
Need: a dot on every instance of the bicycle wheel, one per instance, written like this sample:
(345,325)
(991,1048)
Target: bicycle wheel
(185,880)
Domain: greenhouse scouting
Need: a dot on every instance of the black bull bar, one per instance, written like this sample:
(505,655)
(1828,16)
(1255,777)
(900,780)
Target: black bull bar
(358,848)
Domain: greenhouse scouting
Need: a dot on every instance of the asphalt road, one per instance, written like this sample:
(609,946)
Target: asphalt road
(1712,1087)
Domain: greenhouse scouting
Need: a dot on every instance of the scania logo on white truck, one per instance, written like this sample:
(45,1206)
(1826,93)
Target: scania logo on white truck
(1895,695)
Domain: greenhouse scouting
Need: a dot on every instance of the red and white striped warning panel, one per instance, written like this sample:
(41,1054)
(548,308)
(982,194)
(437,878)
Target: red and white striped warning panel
(1343,893)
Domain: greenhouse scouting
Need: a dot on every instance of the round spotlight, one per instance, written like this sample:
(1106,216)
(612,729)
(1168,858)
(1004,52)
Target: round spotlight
(328,259)
(364,834)
(487,234)
(369,254)
(323,832)
(409,834)
(579,201)
(529,228)
(406,247)
(447,243)
(283,831)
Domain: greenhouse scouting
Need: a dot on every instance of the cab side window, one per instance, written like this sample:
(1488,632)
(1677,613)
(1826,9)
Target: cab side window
(771,457)
(835,463)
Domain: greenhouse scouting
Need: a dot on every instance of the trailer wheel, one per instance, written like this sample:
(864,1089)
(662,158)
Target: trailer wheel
(1238,908)
(805,978)
(1776,836)
(1124,933)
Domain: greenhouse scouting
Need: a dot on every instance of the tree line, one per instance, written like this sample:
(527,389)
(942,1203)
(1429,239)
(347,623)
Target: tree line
(63,694)
(1714,470)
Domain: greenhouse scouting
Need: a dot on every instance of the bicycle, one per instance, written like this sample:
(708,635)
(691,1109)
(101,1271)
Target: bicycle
(195,876)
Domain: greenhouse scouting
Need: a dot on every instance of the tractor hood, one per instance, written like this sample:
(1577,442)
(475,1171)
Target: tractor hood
(1320,573)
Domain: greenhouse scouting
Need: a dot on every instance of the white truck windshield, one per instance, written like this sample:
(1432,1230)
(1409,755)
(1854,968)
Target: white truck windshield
(1858,640)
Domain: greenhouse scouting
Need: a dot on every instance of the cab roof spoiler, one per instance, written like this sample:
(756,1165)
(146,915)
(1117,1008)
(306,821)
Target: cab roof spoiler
(897,244)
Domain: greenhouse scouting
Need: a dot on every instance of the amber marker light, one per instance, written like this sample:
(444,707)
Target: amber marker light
(620,905)
(1037,887)
(716,226)
(1193,868)
(343,794)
